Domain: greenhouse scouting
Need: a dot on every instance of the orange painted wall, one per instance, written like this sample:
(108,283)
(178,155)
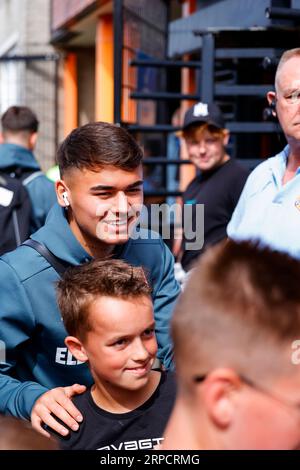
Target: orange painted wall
(70,93)
(104,92)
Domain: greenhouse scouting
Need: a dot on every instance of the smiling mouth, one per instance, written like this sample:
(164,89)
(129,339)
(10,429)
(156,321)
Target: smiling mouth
(117,223)
(140,370)
(202,159)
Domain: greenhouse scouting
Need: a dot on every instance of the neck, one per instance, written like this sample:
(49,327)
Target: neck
(188,429)
(293,162)
(17,141)
(226,158)
(294,147)
(119,400)
(179,433)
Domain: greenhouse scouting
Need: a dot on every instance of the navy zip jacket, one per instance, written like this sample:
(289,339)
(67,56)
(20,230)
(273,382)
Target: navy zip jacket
(31,329)
(40,189)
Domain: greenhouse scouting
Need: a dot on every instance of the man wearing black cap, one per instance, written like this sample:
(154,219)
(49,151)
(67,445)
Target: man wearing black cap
(220,181)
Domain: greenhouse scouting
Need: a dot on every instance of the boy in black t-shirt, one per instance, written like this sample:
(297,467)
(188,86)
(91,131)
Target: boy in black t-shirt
(107,310)
(217,185)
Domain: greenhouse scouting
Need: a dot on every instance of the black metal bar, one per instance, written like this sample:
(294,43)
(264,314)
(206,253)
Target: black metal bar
(155,128)
(165,161)
(242,90)
(164,63)
(282,13)
(206,83)
(250,163)
(249,53)
(162,96)
(118,56)
(25,58)
(234,127)
(253,127)
(162,193)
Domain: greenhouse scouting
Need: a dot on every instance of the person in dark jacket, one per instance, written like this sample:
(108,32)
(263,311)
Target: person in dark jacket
(18,140)
(217,186)
(99,196)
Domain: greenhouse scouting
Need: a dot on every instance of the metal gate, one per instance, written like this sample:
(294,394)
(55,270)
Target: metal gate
(226,70)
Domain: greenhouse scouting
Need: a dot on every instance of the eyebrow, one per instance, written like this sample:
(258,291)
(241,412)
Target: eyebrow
(119,337)
(291,90)
(101,187)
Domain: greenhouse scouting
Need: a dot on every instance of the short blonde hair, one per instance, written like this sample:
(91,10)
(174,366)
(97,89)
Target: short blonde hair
(287,55)
(240,309)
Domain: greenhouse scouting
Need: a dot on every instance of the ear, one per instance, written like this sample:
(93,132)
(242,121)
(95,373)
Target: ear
(218,395)
(61,188)
(76,348)
(271,97)
(32,140)
(226,136)
(1,138)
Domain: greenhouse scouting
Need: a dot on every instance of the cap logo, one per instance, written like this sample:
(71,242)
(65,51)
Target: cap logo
(200,109)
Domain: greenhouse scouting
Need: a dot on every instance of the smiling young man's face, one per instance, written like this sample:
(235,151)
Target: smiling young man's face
(104,204)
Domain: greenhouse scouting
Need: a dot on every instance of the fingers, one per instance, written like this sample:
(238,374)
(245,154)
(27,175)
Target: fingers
(74,390)
(36,424)
(70,410)
(57,402)
(45,417)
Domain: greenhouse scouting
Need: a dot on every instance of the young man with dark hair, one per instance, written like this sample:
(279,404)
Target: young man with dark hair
(107,310)
(18,140)
(99,194)
(219,181)
(234,329)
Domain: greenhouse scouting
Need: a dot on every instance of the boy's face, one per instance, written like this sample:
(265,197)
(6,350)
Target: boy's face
(104,204)
(121,347)
(207,152)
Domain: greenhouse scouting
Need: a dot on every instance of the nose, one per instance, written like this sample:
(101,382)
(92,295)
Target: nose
(202,147)
(140,353)
(121,206)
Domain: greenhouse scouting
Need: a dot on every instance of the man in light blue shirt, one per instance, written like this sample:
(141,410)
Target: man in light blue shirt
(269,206)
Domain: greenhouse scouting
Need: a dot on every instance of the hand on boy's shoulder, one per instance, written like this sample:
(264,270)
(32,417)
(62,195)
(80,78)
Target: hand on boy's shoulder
(57,403)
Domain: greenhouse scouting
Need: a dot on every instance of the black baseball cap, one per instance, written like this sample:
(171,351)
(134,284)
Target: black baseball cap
(201,113)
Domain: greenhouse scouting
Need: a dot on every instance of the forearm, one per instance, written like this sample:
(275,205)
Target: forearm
(18,398)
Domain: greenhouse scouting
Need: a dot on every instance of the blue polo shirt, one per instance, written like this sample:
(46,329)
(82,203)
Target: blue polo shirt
(267,210)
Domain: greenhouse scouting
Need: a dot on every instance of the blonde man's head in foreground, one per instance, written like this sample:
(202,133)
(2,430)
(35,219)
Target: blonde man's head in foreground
(233,331)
